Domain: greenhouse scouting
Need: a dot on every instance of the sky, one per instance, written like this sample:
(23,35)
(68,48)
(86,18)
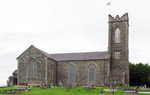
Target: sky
(62,26)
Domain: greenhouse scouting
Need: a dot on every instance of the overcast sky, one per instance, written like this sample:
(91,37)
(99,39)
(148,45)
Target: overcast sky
(58,26)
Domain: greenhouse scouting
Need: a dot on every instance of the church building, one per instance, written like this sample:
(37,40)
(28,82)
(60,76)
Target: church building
(111,67)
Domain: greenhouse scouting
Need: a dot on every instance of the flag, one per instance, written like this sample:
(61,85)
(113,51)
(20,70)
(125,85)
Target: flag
(109,3)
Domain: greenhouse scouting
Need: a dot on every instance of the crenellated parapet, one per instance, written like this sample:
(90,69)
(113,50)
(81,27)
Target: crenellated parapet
(124,17)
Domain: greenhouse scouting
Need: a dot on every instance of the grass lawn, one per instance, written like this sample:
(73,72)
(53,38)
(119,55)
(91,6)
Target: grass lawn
(66,91)
(63,91)
(143,89)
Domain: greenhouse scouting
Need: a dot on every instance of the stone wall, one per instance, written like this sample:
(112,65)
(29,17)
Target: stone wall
(51,72)
(23,62)
(117,80)
(10,81)
(81,72)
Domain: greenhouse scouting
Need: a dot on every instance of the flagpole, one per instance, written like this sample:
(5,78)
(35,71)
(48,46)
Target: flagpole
(110,7)
(109,4)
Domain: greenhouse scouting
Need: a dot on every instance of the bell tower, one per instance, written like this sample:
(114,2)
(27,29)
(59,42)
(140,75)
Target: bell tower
(118,50)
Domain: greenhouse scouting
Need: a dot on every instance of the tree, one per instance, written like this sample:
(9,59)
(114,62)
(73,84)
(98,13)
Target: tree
(139,74)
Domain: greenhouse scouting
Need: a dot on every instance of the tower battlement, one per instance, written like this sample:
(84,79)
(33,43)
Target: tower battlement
(118,48)
(124,17)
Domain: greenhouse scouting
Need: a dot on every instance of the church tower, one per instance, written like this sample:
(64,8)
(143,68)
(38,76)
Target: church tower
(118,50)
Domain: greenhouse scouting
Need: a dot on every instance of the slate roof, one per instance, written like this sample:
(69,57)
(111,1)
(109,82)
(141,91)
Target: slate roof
(80,56)
(77,56)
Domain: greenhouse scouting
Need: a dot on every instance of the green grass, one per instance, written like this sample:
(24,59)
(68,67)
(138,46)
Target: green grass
(143,89)
(9,88)
(60,91)
(66,91)
(63,91)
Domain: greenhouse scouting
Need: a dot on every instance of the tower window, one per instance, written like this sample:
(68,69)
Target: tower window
(117,55)
(117,35)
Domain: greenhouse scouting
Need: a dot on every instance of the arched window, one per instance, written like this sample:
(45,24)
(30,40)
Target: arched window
(71,74)
(117,35)
(52,72)
(92,73)
(32,68)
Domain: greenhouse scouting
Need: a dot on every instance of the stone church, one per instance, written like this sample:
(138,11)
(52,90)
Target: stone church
(111,67)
